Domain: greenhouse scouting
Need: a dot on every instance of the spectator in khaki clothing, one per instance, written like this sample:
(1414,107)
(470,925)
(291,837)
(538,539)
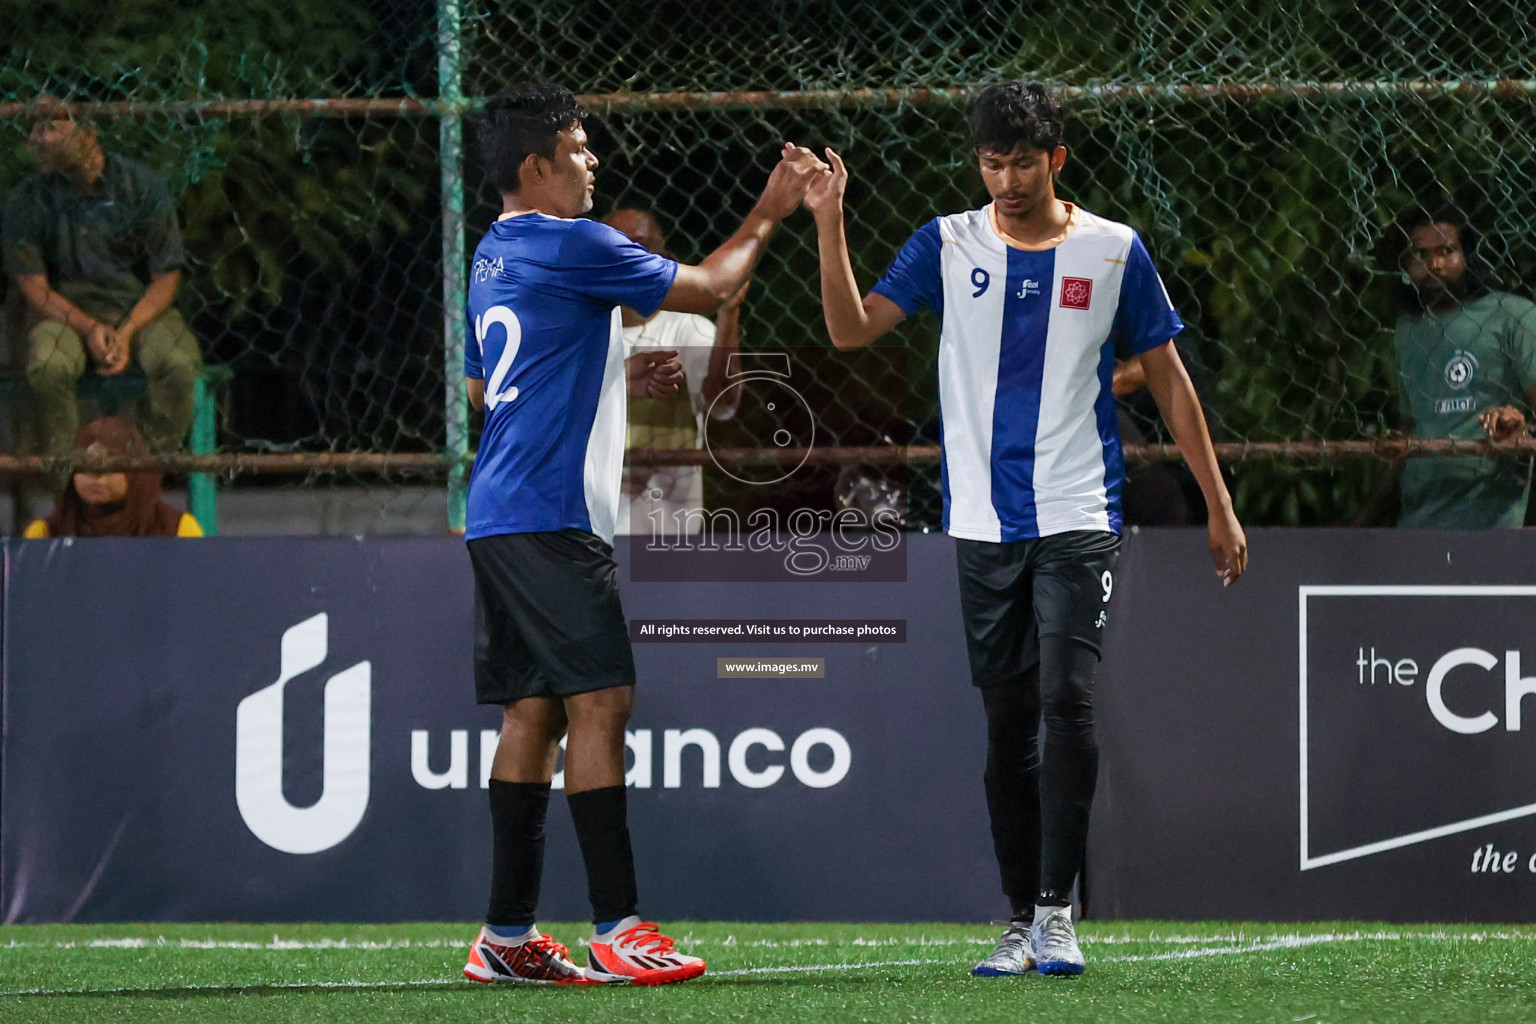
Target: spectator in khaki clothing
(93,244)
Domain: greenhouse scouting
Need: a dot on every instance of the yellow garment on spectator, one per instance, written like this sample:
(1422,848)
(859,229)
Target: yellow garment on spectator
(662,423)
(188,527)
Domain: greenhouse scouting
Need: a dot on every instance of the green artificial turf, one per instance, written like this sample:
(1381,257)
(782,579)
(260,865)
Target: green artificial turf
(801,973)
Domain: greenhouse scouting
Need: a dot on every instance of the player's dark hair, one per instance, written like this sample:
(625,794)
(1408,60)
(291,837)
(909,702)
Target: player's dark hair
(523,120)
(1398,240)
(1014,114)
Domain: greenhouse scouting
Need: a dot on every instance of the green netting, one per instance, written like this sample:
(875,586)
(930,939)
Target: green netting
(1260,150)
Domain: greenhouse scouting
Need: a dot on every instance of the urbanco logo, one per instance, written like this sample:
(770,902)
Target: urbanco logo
(259,750)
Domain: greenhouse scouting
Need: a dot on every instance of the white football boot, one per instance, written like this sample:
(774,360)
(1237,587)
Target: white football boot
(634,952)
(1010,957)
(1055,942)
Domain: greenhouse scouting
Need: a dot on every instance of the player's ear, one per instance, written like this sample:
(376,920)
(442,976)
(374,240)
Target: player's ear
(1058,160)
(531,171)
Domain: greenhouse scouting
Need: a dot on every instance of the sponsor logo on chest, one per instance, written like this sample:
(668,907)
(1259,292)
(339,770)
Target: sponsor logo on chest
(1076,292)
(1460,369)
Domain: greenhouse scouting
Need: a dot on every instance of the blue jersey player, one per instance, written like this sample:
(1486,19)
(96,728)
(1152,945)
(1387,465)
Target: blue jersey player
(544,360)
(1035,296)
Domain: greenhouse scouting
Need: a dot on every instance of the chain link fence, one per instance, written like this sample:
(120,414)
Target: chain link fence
(1260,150)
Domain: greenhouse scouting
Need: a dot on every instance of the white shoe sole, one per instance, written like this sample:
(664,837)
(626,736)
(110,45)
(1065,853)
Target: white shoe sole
(660,976)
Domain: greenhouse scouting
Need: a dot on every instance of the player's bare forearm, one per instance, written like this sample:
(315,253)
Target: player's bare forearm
(157,297)
(847,323)
(474,390)
(1176,399)
(852,322)
(50,305)
(723,273)
(705,288)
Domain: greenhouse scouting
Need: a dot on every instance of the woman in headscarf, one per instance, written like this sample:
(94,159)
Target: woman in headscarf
(113,504)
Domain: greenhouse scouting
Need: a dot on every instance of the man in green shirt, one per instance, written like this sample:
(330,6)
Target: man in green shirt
(92,243)
(1466,362)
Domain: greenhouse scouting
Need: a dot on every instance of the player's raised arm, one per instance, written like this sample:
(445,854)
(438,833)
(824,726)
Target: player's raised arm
(711,284)
(1170,385)
(851,322)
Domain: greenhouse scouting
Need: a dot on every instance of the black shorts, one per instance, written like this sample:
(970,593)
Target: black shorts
(548,622)
(1015,592)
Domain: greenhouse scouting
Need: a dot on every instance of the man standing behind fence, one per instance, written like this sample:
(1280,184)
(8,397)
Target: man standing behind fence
(1036,296)
(93,244)
(657,500)
(1466,362)
(546,363)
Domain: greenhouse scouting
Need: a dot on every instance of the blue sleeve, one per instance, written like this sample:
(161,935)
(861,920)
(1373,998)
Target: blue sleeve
(913,280)
(613,270)
(472,365)
(1146,318)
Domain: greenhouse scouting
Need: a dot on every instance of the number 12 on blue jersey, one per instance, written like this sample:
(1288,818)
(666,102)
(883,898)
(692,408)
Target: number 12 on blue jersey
(512,339)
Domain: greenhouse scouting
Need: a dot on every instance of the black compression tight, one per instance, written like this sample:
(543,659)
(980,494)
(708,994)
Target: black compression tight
(1039,805)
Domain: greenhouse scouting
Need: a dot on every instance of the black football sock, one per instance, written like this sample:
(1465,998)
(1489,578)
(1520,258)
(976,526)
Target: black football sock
(1070,768)
(602,829)
(1013,787)
(518,810)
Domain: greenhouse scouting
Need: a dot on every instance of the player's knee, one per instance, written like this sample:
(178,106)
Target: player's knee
(1069,714)
(177,373)
(1013,713)
(51,376)
(601,711)
(534,721)
(53,363)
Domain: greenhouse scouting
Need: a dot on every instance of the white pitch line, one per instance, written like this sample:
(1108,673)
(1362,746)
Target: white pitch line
(437,982)
(279,944)
(274,945)
(423,983)
(822,967)
(1258,946)
(1277,942)
(1280,942)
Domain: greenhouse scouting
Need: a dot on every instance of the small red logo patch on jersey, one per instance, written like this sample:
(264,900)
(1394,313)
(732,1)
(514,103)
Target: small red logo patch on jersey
(1076,292)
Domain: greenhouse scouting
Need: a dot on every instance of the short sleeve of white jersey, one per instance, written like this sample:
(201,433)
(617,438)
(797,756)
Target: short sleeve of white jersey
(1145,318)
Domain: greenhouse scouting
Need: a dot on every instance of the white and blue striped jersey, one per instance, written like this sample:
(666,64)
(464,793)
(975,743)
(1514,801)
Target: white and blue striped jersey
(1027,348)
(544,334)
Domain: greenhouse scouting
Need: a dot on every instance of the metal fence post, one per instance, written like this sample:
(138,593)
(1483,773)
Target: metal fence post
(450,88)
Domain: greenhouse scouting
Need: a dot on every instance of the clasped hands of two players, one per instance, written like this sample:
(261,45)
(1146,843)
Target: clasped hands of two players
(658,373)
(797,171)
